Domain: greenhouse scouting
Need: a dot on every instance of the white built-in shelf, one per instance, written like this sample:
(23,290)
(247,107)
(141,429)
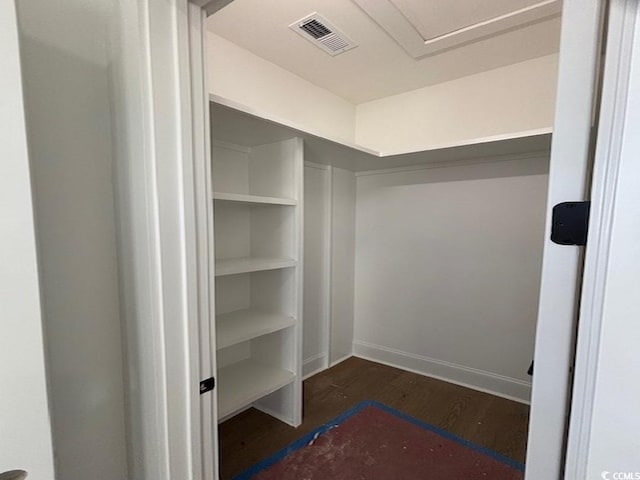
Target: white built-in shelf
(242,383)
(257,203)
(231,266)
(242,325)
(256,199)
(234,120)
(281,129)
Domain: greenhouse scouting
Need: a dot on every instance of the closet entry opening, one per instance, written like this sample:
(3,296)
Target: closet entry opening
(380,173)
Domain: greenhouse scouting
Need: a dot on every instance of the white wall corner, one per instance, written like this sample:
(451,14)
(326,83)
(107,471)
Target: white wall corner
(500,385)
(314,364)
(506,100)
(237,74)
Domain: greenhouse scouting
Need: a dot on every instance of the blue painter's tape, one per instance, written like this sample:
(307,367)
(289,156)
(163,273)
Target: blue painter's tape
(306,439)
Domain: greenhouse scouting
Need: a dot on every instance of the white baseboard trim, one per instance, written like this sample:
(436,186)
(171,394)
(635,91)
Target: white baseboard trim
(314,364)
(511,388)
(341,359)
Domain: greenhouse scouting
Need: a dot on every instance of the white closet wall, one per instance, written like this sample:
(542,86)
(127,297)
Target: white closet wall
(343,221)
(317,267)
(25,441)
(232,74)
(67,100)
(330,201)
(448,268)
(516,98)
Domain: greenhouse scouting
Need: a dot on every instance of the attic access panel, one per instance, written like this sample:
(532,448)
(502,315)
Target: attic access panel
(426,28)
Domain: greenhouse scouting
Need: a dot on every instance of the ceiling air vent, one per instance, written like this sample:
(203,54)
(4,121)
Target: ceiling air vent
(321,33)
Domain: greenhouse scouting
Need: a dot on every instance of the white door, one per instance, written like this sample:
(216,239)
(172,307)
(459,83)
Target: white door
(25,430)
(569,177)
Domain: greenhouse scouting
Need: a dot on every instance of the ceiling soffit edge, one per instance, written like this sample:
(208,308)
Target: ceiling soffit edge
(400,28)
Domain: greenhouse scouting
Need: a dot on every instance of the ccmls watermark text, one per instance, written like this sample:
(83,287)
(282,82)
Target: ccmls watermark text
(620,475)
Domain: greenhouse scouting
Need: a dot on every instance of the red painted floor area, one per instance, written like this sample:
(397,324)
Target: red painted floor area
(376,445)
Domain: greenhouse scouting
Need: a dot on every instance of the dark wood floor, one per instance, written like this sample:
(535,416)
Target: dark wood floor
(484,419)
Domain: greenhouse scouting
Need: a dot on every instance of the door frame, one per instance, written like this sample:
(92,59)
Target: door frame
(162,126)
(569,177)
(164,227)
(616,153)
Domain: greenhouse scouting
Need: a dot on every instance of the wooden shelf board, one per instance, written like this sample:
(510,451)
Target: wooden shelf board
(242,325)
(240,384)
(231,266)
(253,199)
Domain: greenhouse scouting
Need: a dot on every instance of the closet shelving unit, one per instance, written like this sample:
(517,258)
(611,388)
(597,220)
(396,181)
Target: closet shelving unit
(258,268)
(257,177)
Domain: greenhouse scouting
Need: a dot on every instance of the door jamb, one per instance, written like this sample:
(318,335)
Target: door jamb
(607,171)
(161,144)
(580,50)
